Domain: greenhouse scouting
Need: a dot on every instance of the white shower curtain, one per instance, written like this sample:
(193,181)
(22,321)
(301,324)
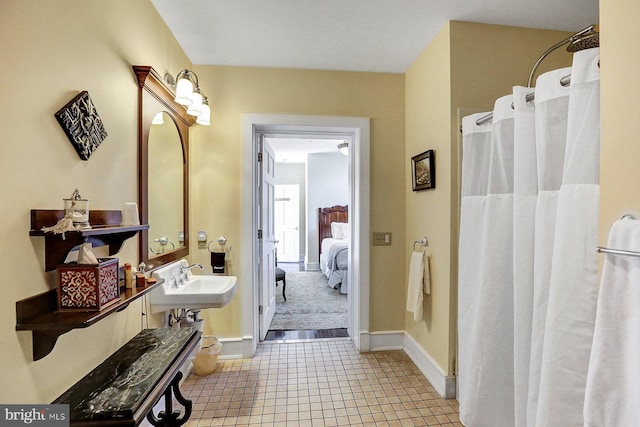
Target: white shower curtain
(574,271)
(525,188)
(475,183)
(551,107)
(527,277)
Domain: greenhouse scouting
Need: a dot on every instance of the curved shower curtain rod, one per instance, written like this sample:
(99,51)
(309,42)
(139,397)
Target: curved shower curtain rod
(584,39)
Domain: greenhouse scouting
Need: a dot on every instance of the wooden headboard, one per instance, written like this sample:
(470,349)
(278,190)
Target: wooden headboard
(328,215)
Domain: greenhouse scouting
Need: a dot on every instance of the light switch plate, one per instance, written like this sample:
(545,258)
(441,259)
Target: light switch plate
(382,238)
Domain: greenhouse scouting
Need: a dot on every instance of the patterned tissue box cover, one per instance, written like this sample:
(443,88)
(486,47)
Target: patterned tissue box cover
(88,287)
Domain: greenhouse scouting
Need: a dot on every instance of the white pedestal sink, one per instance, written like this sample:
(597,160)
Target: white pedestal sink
(197,292)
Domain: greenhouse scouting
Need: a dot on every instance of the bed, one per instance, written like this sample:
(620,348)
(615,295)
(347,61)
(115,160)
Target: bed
(333,238)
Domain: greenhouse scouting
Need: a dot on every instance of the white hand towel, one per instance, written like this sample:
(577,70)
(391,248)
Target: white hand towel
(414,290)
(426,280)
(613,390)
(130,214)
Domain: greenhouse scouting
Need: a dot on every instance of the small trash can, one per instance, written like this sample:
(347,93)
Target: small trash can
(206,360)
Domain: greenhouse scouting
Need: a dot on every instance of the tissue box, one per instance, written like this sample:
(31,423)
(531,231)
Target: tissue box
(88,287)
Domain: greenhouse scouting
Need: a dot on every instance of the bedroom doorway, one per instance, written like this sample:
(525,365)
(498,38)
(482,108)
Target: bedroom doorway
(354,129)
(317,303)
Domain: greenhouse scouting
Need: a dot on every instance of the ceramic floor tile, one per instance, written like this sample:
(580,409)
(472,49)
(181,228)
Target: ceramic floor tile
(317,383)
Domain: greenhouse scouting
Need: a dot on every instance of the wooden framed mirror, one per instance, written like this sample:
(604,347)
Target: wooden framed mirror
(163,170)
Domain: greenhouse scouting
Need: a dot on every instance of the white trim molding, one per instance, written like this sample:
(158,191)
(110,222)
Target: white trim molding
(236,348)
(445,385)
(357,130)
(387,340)
(313,266)
(399,340)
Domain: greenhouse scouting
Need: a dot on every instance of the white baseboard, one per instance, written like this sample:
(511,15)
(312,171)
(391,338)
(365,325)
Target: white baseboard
(444,385)
(236,348)
(363,339)
(313,266)
(388,340)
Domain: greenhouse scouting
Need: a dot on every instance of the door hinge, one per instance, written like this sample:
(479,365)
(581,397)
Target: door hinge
(259,234)
(259,157)
(260,309)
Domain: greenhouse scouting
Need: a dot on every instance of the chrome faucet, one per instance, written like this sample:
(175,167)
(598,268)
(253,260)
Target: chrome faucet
(176,279)
(184,270)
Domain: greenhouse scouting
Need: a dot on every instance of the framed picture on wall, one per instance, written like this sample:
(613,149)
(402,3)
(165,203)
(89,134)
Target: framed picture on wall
(82,124)
(423,171)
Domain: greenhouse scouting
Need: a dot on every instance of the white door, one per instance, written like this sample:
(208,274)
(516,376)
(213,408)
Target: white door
(267,261)
(287,222)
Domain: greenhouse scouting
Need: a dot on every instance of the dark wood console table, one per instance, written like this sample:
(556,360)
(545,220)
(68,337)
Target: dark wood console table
(123,390)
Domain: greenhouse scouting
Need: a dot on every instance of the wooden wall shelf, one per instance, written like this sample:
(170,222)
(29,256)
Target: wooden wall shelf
(39,313)
(105,230)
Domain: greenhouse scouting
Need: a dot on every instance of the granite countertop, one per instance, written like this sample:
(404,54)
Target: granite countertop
(119,386)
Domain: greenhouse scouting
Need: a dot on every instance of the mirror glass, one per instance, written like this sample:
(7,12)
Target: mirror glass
(165,186)
(163,167)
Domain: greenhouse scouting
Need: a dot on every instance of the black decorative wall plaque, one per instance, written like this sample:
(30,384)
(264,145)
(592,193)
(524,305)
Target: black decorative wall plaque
(82,124)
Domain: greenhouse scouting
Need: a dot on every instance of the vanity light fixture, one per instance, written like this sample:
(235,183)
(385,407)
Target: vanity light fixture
(195,108)
(343,147)
(186,81)
(189,94)
(205,117)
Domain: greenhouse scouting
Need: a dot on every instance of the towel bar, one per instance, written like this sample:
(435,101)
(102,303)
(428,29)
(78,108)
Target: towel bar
(603,250)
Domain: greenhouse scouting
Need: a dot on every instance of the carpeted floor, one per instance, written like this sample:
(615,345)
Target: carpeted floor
(310,304)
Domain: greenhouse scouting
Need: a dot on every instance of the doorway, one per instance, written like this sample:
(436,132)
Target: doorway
(309,173)
(316,164)
(356,130)
(287,222)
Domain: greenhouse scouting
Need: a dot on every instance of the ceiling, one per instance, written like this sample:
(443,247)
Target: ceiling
(345,35)
(348,35)
(295,150)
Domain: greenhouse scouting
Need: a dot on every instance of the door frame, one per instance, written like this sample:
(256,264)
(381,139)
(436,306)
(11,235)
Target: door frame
(274,125)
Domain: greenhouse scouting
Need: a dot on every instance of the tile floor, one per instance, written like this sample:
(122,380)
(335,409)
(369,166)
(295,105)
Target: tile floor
(317,383)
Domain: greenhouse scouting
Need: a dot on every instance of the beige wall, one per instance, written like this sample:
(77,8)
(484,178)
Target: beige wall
(53,50)
(216,166)
(49,52)
(466,68)
(620,92)
(428,101)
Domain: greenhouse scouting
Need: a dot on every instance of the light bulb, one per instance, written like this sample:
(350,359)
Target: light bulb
(205,117)
(184,91)
(195,108)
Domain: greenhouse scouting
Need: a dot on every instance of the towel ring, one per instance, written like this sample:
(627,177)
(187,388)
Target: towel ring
(424,242)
